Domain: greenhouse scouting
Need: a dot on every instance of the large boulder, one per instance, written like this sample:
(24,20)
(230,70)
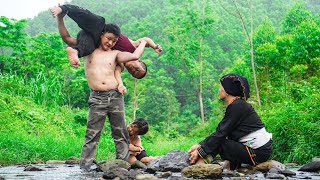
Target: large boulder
(174,161)
(203,171)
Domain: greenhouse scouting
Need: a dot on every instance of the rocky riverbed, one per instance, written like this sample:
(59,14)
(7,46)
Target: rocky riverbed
(173,166)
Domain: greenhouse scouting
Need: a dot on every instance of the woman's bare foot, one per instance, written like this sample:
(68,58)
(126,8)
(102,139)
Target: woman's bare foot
(73,57)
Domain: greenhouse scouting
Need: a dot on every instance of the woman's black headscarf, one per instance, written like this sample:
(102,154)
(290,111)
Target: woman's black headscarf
(236,85)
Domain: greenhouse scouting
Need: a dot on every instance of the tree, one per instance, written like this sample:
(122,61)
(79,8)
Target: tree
(248,34)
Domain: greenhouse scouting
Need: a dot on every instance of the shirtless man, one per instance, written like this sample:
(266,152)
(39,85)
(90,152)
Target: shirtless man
(104,99)
(92,25)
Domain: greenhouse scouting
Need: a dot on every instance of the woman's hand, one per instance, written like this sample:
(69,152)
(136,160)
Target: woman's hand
(194,156)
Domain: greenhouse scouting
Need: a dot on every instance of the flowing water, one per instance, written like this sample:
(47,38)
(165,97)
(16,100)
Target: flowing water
(73,172)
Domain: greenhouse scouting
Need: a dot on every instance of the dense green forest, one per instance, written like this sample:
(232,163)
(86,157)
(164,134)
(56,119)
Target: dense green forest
(275,44)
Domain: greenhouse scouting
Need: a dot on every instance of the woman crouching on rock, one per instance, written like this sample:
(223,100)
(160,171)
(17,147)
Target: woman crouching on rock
(241,136)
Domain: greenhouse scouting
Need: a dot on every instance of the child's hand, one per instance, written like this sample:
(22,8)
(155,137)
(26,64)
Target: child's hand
(158,49)
(122,89)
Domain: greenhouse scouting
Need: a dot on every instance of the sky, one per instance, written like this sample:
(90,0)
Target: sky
(23,9)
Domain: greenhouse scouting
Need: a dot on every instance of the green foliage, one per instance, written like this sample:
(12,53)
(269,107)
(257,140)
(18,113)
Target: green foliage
(295,17)
(295,126)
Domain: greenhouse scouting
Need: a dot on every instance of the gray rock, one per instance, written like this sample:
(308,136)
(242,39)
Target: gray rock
(146,177)
(33,168)
(202,171)
(121,173)
(315,159)
(55,162)
(287,172)
(274,170)
(1,178)
(311,167)
(72,160)
(107,166)
(275,176)
(266,166)
(174,161)
(163,174)
(138,165)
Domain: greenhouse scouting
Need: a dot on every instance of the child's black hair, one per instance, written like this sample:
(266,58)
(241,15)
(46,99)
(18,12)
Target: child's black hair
(142,124)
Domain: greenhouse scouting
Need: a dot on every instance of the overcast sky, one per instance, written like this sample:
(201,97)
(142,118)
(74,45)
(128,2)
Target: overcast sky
(22,9)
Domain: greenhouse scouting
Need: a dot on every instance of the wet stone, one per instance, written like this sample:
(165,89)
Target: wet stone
(287,172)
(146,177)
(72,160)
(313,166)
(33,168)
(163,174)
(116,172)
(275,176)
(55,162)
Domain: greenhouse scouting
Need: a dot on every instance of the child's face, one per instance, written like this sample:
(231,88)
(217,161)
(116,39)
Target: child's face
(133,129)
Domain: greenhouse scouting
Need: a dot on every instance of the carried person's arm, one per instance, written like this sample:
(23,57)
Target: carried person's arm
(121,88)
(123,57)
(150,43)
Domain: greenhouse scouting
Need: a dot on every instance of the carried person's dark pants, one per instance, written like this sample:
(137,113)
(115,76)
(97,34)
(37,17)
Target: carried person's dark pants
(105,103)
(237,153)
(92,25)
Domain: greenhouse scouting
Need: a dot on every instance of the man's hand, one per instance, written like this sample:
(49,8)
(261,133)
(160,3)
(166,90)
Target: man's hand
(122,89)
(55,11)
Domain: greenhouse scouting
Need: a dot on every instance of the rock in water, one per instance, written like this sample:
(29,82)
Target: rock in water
(203,171)
(311,167)
(266,166)
(115,164)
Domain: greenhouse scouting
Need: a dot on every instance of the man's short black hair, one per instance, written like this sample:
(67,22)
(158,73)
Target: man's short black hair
(112,28)
(144,66)
(142,125)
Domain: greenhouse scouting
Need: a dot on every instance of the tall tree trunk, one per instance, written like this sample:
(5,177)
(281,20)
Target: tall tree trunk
(201,63)
(134,99)
(252,57)
(249,38)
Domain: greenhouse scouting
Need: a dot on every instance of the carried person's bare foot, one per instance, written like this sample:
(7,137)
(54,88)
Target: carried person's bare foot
(73,57)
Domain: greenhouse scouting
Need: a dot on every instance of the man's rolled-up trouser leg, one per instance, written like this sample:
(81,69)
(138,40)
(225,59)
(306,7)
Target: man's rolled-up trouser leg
(96,119)
(118,126)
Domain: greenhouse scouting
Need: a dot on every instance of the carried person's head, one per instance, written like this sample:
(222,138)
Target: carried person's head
(138,127)
(235,85)
(138,69)
(109,36)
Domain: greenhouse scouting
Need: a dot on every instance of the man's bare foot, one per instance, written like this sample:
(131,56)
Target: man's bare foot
(73,57)
(55,11)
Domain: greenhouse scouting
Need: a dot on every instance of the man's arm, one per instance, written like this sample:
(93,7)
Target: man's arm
(150,43)
(70,41)
(123,57)
(121,88)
